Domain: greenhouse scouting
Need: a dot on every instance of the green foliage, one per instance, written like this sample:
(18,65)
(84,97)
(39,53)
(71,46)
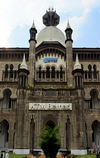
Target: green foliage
(68,87)
(78,156)
(30,87)
(16,156)
(87,156)
(50,142)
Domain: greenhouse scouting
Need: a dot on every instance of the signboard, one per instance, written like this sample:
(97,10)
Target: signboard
(50,106)
(50,60)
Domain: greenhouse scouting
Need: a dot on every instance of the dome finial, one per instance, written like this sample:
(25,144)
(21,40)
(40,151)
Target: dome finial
(77,64)
(33,25)
(68,25)
(23,64)
(51,18)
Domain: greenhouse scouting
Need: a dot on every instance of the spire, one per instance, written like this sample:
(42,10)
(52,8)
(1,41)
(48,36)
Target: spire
(68,32)
(23,64)
(33,25)
(33,32)
(77,64)
(68,25)
(78,74)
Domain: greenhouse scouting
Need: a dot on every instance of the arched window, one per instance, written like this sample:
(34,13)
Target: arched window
(94,71)
(61,72)
(6,71)
(90,71)
(6,99)
(48,72)
(94,99)
(53,72)
(57,74)
(11,70)
(40,72)
(43,74)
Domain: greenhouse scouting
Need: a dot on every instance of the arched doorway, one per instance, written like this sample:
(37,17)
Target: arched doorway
(96,134)
(50,121)
(4,136)
(51,124)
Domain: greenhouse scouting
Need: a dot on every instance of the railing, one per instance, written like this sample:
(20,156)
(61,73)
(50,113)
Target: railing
(91,76)
(6,109)
(89,111)
(57,77)
(8,76)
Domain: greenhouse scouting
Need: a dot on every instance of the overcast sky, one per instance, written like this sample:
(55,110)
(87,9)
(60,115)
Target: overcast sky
(16,18)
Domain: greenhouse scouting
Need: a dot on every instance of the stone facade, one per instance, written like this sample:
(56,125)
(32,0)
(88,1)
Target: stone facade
(49,76)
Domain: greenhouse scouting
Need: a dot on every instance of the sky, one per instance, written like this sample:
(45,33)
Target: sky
(17,16)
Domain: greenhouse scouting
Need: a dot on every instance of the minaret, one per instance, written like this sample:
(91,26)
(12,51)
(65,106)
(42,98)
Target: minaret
(21,106)
(78,74)
(69,55)
(79,132)
(32,47)
(23,74)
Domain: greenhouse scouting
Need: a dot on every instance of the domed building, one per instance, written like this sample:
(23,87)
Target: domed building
(50,84)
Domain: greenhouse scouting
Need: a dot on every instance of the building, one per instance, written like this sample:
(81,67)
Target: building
(50,83)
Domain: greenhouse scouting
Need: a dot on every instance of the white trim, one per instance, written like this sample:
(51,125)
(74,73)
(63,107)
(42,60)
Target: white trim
(21,151)
(79,152)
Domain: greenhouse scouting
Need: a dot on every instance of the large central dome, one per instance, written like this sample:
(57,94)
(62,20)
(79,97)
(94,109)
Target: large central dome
(51,34)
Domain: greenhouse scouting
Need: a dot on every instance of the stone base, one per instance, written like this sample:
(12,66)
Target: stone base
(79,152)
(27,151)
(21,151)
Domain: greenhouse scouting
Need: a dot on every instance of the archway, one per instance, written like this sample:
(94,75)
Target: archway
(96,134)
(4,136)
(50,121)
(51,124)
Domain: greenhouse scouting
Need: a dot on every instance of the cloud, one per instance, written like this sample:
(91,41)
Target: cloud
(89,3)
(76,23)
(18,13)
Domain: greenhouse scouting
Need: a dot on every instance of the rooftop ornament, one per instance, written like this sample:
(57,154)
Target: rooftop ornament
(51,18)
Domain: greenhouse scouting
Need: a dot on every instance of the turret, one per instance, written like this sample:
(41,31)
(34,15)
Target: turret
(69,55)
(78,74)
(23,74)
(33,32)
(32,46)
(68,32)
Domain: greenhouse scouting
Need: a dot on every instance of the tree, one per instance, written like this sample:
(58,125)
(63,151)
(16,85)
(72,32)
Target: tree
(49,141)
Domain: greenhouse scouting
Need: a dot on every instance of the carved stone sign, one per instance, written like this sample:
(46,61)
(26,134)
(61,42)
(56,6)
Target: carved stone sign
(50,106)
